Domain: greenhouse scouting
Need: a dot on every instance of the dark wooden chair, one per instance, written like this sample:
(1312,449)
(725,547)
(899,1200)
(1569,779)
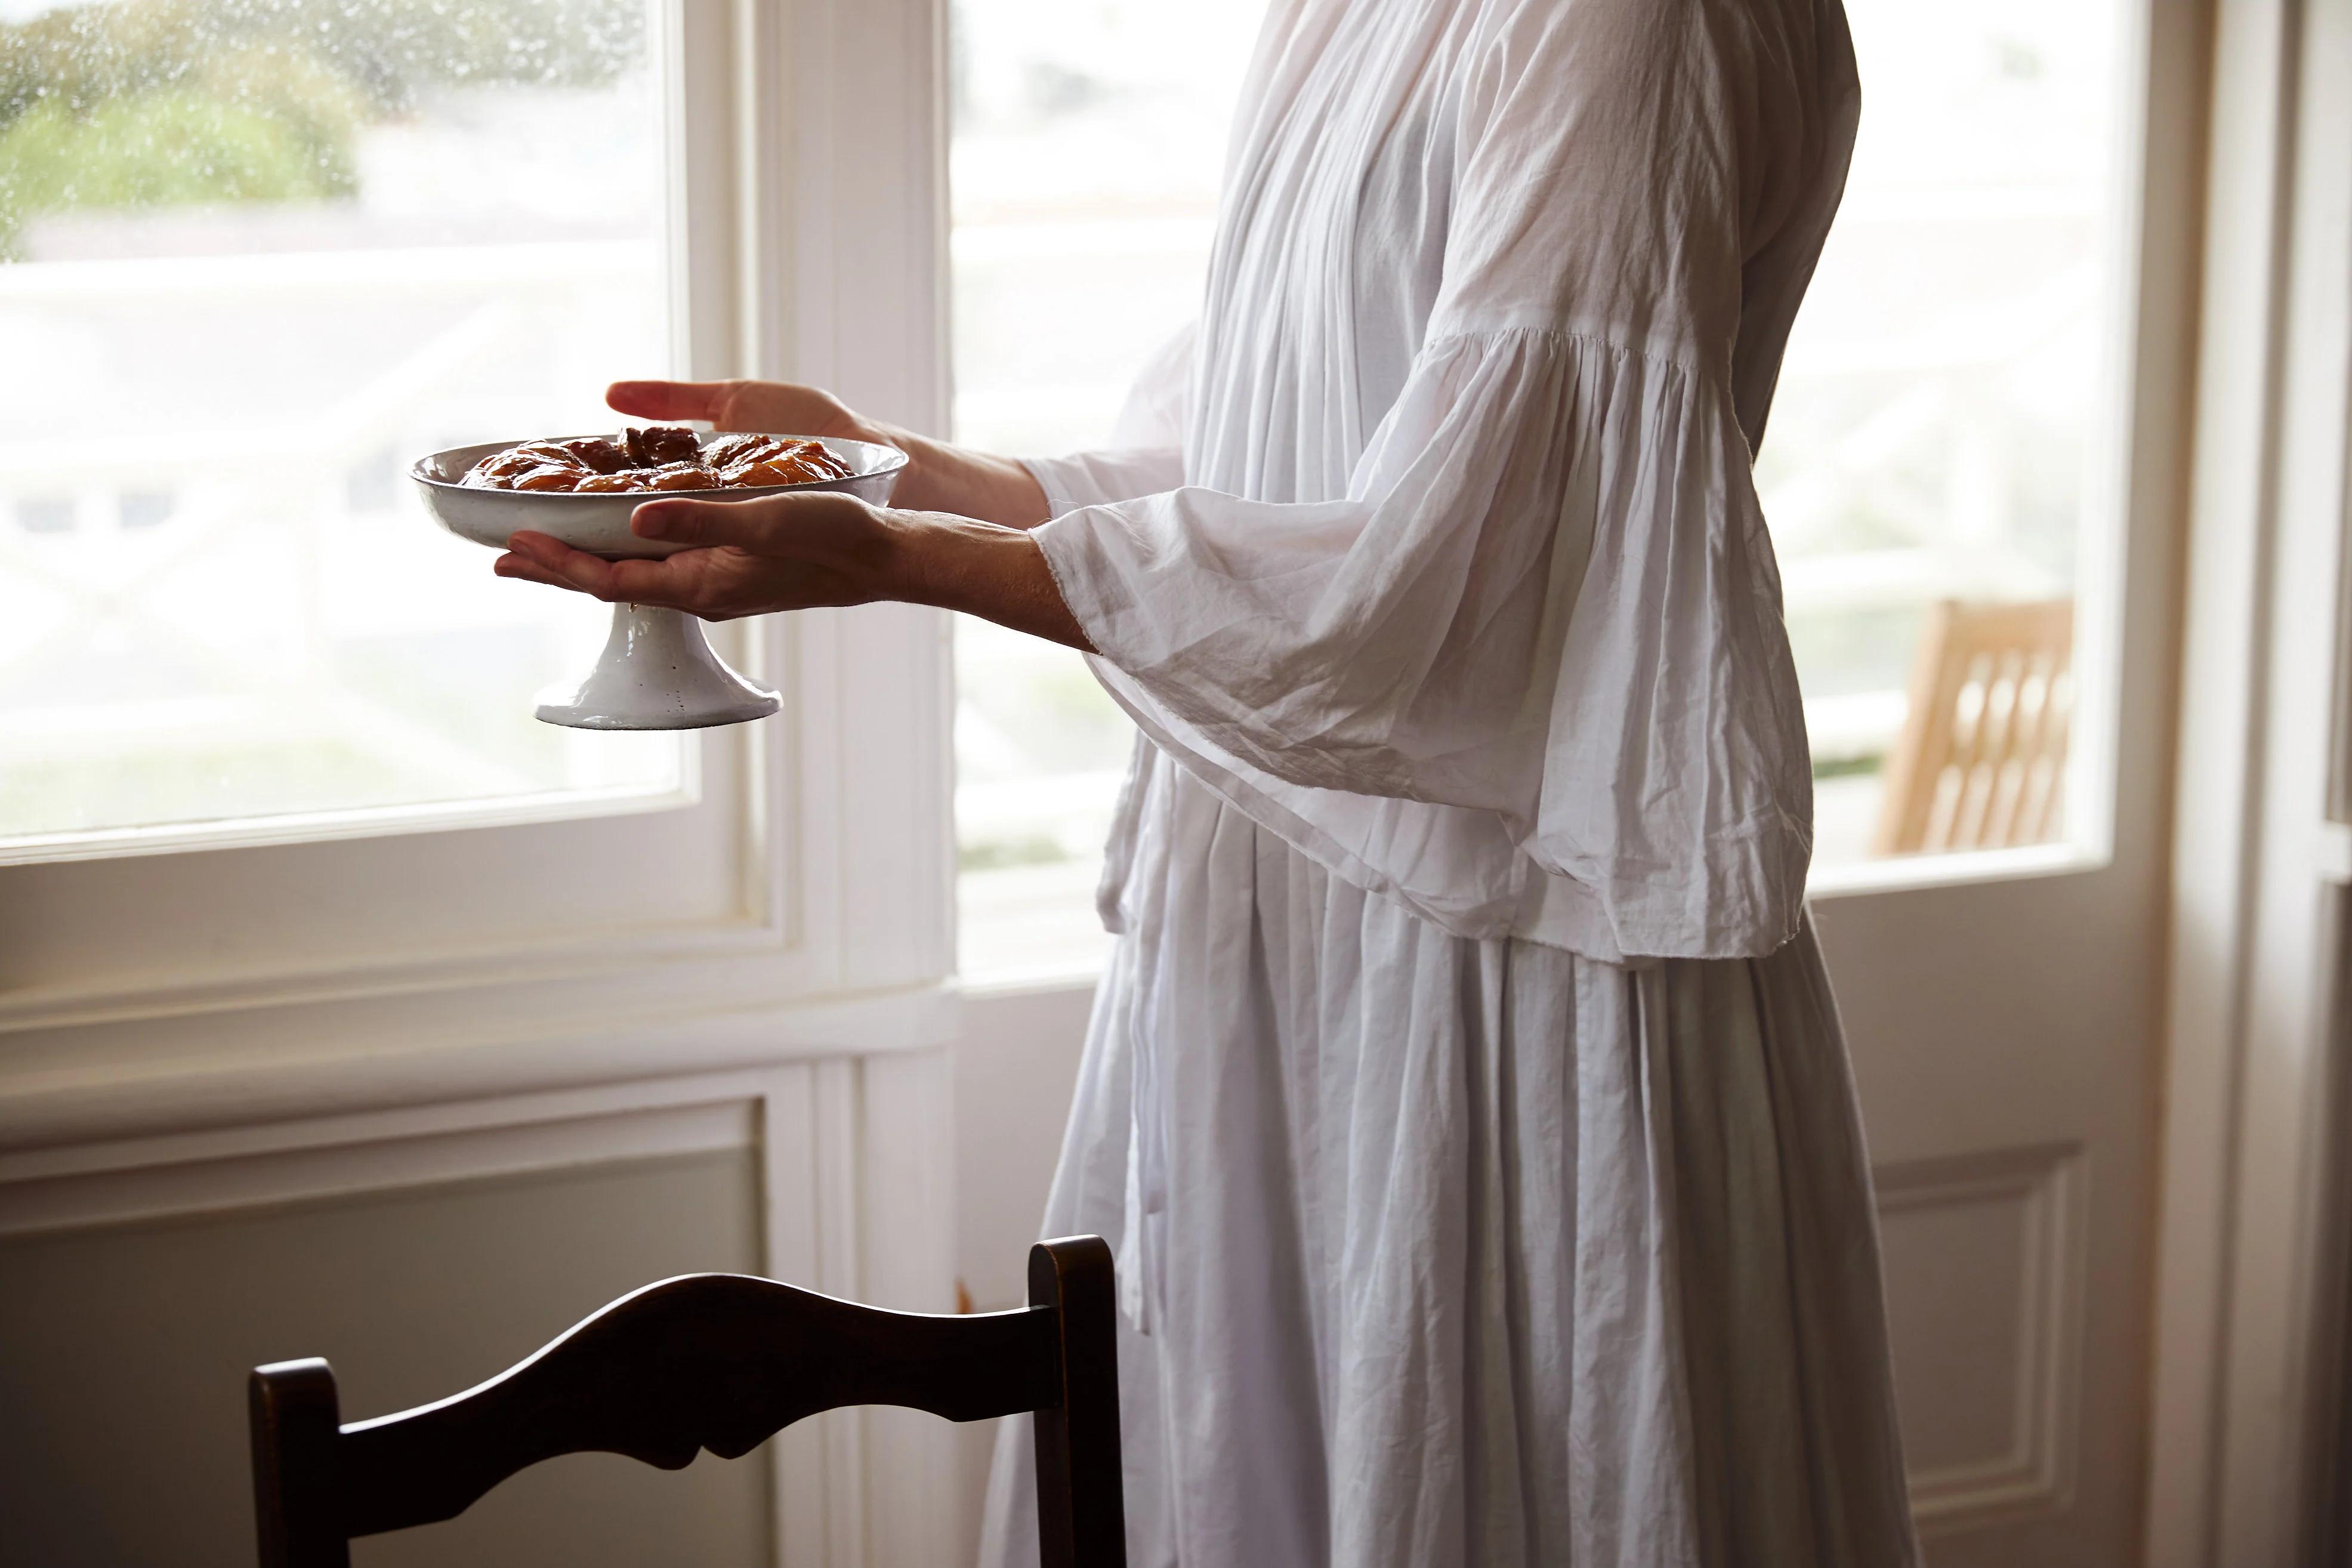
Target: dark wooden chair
(719,1362)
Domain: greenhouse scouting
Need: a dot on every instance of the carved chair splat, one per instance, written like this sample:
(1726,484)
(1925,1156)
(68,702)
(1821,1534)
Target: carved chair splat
(719,1362)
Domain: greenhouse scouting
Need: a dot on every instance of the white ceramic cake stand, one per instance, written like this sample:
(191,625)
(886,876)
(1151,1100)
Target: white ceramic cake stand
(658,671)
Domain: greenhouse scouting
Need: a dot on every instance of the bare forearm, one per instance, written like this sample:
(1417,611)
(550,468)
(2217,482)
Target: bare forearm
(944,478)
(983,569)
(804,550)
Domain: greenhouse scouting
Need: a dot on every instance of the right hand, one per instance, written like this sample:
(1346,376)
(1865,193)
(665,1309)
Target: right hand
(938,476)
(767,406)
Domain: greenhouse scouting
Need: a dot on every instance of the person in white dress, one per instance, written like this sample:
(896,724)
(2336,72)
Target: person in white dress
(1465,1102)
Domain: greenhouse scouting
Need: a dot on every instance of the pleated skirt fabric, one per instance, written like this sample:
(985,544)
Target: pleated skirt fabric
(1437,1251)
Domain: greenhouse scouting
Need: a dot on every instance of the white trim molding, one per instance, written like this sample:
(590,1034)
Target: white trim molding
(2241,1412)
(2034,1474)
(855,1159)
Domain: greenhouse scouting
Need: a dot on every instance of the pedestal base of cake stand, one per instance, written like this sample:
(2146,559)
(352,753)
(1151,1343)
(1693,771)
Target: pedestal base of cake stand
(658,672)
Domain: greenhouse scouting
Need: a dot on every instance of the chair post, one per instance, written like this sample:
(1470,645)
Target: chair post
(1081,1496)
(296,1419)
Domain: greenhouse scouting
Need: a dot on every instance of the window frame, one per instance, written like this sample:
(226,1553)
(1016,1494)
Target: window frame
(2128,519)
(693,313)
(806,157)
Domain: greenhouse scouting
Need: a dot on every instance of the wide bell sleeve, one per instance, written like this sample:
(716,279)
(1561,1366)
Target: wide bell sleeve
(1547,600)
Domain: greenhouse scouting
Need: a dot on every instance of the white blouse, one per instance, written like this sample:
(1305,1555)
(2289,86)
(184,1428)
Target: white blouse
(1447,565)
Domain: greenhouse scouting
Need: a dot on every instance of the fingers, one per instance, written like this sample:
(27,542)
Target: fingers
(744,525)
(668,399)
(811,525)
(523,568)
(537,558)
(542,559)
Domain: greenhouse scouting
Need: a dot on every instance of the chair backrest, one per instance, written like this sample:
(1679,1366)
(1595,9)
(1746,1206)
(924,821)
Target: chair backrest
(719,1362)
(1982,762)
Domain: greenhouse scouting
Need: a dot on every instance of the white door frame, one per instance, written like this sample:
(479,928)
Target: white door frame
(2243,1406)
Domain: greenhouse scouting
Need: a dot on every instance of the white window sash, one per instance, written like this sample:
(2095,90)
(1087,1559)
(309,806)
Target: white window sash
(816,865)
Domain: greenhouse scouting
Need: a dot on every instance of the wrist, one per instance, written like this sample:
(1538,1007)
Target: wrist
(943,478)
(933,558)
(976,568)
(940,558)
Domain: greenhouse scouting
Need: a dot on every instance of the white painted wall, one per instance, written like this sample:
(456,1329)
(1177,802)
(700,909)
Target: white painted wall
(423,1247)
(124,1349)
(1016,1066)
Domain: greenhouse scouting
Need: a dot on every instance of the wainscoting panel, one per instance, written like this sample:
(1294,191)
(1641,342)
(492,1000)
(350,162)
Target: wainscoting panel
(124,1346)
(1984,1278)
(422,1249)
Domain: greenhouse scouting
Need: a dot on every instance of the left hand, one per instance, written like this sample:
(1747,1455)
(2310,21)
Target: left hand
(808,550)
(781,552)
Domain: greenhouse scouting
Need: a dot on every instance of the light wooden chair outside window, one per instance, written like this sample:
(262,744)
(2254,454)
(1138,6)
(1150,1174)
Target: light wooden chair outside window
(1981,761)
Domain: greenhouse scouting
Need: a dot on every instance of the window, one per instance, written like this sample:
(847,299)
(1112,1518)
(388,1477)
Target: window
(1088,141)
(606,192)
(263,255)
(1946,419)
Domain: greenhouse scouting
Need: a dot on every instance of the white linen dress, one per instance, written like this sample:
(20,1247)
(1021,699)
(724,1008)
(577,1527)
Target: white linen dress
(1465,1102)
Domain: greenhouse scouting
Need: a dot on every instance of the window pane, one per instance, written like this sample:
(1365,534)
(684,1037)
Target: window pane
(1944,412)
(263,254)
(1089,136)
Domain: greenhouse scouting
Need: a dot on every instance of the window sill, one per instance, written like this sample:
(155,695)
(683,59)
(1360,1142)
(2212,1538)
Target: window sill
(1905,873)
(361,822)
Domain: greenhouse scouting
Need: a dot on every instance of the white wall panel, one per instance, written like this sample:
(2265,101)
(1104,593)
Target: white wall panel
(123,1351)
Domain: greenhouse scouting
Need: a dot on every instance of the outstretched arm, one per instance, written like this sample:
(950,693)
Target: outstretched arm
(818,548)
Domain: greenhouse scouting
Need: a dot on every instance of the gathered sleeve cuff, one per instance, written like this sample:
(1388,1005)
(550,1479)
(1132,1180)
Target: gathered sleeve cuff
(1096,479)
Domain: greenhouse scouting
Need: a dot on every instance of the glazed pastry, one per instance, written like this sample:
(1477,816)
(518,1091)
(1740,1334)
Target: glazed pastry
(551,476)
(657,457)
(821,463)
(799,463)
(548,452)
(657,445)
(681,477)
(498,469)
(595,452)
(733,451)
(777,471)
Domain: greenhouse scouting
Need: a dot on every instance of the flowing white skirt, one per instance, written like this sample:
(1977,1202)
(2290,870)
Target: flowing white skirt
(1467,1252)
